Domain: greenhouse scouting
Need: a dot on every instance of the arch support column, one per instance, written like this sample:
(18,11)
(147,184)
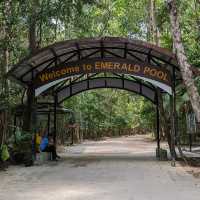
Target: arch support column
(55,119)
(157,128)
(173,120)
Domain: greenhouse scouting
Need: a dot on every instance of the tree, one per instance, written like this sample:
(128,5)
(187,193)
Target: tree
(7,35)
(33,26)
(153,36)
(185,67)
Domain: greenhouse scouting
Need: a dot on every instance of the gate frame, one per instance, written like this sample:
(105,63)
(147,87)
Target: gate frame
(25,71)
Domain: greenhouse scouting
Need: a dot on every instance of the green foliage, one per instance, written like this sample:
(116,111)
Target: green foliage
(112,108)
(19,139)
(68,19)
(4,154)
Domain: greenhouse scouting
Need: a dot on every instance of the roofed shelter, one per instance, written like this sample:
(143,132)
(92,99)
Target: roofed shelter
(69,67)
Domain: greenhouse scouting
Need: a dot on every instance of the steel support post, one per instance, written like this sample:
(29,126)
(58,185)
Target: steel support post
(55,119)
(174,108)
(173,120)
(172,130)
(158,128)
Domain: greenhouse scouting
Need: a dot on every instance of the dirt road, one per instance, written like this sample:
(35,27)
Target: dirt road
(114,169)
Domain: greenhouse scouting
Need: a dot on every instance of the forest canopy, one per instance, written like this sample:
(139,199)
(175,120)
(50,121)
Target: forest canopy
(27,26)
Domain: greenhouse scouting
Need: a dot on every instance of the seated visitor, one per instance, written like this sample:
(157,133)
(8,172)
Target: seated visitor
(38,139)
(47,145)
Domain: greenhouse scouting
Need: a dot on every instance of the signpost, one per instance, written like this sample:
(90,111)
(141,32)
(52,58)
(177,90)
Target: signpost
(49,77)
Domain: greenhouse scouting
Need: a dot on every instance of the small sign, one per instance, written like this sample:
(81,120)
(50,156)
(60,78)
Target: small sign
(191,123)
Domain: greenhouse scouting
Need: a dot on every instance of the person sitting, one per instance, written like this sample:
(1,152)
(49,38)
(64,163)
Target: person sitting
(38,139)
(47,145)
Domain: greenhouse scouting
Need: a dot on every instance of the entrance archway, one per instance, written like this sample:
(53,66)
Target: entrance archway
(67,68)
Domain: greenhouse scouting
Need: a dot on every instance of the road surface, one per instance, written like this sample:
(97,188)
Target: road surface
(115,169)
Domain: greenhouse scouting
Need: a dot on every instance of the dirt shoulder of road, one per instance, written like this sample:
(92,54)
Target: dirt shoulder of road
(190,168)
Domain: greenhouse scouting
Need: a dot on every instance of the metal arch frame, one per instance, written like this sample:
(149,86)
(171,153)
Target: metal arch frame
(160,59)
(153,89)
(80,77)
(137,81)
(82,72)
(77,52)
(140,84)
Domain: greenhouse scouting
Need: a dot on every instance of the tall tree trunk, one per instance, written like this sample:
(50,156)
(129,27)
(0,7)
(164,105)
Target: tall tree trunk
(6,36)
(33,27)
(197,8)
(153,28)
(164,121)
(29,118)
(185,67)
(6,49)
(154,38)
(4,70)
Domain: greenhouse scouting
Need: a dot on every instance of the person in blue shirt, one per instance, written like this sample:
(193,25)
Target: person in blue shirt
(47,145)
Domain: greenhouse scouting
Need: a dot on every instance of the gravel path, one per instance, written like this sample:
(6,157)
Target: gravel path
(115,169)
